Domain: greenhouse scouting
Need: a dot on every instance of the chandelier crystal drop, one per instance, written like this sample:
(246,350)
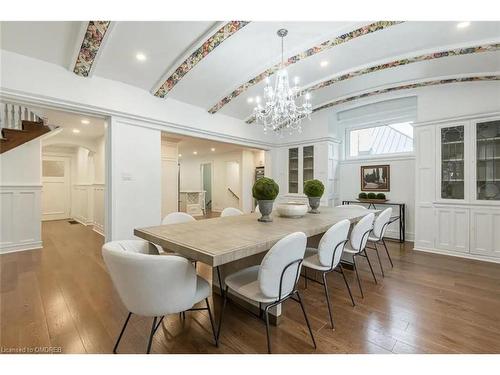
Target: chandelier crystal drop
(279,111)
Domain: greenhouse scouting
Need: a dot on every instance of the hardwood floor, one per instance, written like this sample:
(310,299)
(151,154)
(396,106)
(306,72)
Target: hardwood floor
(62,297)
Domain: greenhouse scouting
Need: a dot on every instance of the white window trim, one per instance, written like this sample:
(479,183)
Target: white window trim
(347,143)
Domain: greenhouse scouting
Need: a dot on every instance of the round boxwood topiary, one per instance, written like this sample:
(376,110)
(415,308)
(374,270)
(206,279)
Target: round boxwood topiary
(362,196)
(265,189)
(372,196)
(314,188)
(380,196)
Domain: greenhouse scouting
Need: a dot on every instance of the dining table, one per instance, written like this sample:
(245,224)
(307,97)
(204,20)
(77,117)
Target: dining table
(228,244)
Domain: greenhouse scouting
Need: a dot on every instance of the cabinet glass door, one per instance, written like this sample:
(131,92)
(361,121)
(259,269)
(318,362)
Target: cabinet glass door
(308,163)
(293,170)
(488,160)
(452,162)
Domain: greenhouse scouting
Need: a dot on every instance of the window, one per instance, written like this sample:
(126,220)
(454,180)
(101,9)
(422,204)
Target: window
(379,140)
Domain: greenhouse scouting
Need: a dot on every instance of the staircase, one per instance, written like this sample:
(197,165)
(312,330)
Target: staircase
(19,125)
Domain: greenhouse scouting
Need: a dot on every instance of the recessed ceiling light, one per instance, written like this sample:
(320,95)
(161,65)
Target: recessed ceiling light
(180,155)
(140,56)
(462,25)
(85,122)
(76,131)
(195,152)
(323,63)
(212,149)
(250,100)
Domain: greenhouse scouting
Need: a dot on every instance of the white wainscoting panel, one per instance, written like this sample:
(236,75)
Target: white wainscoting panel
(20,228)
(82,204)
(98,196)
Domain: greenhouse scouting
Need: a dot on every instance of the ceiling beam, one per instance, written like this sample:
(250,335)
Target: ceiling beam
(368,29)
(408,86)
(202,48)
(94,38)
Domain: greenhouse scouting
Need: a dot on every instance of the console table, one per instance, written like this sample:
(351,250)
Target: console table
(401,217)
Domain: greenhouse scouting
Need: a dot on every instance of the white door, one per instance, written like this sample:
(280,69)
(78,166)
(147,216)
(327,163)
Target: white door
(232,193)
(56,188)
(485,232)
(452,229)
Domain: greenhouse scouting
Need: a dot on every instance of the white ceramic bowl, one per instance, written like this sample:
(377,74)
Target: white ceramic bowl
(292,209)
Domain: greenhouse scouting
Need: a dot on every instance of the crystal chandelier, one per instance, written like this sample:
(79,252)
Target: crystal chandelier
(280,111)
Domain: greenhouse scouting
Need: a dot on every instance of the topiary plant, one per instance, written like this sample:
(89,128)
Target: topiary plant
(314,188)
(372,196)
(380,196)
(265,189)
(362,196)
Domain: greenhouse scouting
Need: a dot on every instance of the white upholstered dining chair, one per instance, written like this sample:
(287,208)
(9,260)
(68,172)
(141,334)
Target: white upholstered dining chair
(153,285)
(382,221)
(176,218)
(326,258)
(357,244)
(273,281)
(230,211)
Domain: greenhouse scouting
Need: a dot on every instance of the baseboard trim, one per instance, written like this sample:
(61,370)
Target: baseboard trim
(459,255)
(98,230)
(35,245)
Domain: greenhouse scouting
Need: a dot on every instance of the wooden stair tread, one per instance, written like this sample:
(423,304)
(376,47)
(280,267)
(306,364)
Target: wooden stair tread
(11,138)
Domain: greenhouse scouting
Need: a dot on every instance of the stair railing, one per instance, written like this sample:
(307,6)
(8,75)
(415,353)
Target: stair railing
(13,115)
(233,193)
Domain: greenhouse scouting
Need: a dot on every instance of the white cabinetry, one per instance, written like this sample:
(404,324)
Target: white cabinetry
(457,174)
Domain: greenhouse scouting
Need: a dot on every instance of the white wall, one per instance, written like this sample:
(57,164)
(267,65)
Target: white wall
(190,177)
(20,198)
(135,178)
(402,187)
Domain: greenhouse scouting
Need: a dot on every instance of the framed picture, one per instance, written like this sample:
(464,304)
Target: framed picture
(375,178)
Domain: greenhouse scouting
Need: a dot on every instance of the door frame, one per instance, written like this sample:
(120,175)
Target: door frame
(66,158)
(211,182)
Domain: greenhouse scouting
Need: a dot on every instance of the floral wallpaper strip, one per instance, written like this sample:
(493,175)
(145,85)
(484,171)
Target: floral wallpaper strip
(410,60)
(379,25)
(208,46)
(397,88)
(90,46)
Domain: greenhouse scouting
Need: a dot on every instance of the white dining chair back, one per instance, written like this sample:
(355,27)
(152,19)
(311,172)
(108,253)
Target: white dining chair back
(359,234)
(283,254)
(334,236)
(352,206)
(176,218)
(230,211)
(257,209)
(150,285)
(381,223)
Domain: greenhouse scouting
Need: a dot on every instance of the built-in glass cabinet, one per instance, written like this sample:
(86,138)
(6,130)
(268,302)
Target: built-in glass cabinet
(293,170)
(488,160)
(453,162)
(308,163)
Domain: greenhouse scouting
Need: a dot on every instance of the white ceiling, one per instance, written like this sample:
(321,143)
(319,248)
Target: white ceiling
(70,121)
(255,48)
(203,147)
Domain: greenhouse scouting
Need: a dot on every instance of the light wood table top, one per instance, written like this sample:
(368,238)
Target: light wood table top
(222,240)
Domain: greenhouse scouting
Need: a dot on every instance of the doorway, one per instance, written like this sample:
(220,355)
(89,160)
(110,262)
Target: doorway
(56,188)
(206,178)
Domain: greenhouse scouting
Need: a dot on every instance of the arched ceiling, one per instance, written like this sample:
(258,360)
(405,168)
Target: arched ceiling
(220,66)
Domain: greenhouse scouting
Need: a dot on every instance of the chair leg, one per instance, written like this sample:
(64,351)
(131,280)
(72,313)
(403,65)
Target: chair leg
(379,261)
(387,251)
(328,300)
(211,321)
(151,335)
(305,316)
(221,315)
(357,276)
(305,277)
(266,313)
(347,284)
(371,268)
(121,333)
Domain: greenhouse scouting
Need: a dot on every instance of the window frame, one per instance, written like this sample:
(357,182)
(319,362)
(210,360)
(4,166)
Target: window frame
(347,142)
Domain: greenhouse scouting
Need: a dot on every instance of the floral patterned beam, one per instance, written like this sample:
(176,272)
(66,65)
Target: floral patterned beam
(90,46)
(208,46)
(410,60)
(398,88)
(379,25)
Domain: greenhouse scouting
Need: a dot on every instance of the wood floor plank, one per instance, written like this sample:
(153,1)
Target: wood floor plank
(62,296)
